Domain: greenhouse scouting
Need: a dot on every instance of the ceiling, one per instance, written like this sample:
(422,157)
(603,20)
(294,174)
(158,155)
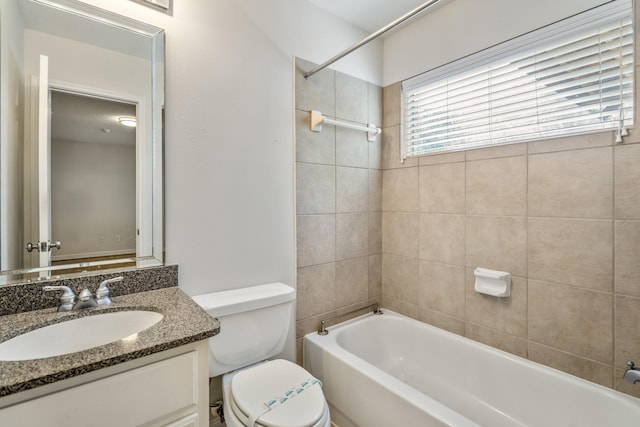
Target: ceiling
(87,119)
(370,15)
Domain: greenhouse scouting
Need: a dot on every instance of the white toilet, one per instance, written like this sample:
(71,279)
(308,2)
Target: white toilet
(254,323)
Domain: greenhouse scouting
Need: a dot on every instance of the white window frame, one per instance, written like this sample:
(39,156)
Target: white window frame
(526,44)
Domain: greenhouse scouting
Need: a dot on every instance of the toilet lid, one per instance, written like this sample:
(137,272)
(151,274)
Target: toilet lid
(253,388)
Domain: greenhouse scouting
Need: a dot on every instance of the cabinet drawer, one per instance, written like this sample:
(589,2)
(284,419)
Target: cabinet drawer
(130,398)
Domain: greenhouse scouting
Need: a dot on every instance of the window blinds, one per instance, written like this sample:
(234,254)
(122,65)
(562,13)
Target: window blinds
(571,77)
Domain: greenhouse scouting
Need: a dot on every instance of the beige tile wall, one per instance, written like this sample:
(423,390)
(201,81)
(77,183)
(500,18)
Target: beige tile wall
(563,216)
(338,200)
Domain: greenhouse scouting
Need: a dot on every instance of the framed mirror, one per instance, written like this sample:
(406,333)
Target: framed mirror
(81,127)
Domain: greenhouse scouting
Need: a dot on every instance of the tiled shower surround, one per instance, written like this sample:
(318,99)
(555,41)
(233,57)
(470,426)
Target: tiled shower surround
(561,215)
(338,199)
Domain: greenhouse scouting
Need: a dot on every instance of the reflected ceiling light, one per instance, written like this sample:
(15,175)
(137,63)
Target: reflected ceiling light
(127,121)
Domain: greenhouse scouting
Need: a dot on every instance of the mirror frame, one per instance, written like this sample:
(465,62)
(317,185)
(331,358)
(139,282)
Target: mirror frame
(153,247)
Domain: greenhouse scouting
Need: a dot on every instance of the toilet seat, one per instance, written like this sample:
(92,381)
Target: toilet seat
(251,389)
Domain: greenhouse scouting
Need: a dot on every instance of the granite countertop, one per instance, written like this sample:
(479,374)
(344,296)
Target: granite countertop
(184,322)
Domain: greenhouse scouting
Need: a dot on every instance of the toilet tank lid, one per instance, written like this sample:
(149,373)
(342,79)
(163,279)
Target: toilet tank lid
(233,301)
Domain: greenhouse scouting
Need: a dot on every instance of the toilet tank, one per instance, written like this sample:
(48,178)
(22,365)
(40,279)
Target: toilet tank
(254,324)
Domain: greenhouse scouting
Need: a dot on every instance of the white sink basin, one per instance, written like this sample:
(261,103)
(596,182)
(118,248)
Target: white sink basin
(77,334)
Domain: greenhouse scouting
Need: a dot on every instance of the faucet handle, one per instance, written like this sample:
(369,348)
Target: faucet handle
(67,294)
(104,283)
(102,293)
(630,365)
(66,299)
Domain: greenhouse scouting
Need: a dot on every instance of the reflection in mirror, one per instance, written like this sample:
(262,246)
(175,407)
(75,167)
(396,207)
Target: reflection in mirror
(78,189)
(93,178)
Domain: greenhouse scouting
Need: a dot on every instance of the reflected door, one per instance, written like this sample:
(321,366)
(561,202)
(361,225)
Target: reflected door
(44,162)
(40,208)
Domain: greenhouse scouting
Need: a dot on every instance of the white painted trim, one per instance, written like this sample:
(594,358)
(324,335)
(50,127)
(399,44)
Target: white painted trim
(44,160)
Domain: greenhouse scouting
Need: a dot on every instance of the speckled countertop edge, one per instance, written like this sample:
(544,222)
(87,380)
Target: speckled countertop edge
(184,322)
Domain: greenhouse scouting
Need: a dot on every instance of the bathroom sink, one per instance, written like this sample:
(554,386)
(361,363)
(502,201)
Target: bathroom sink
(78,334)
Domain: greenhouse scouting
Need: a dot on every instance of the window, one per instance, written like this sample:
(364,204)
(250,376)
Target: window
(571,77)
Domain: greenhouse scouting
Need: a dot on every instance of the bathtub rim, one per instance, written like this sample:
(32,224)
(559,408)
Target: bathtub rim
(371,370)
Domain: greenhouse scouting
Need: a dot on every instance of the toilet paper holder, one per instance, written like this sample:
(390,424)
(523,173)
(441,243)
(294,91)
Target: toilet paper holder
(492,282)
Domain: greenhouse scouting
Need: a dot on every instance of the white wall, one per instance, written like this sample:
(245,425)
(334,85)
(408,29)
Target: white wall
(11,163)
(462,27)
(93,198)
(229,170)
(229,179)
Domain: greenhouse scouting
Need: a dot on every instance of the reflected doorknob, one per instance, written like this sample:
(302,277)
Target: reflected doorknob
(31,247)
(43,246)
(55,244)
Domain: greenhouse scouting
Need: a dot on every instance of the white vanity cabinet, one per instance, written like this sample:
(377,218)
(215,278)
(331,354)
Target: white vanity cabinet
(169,388)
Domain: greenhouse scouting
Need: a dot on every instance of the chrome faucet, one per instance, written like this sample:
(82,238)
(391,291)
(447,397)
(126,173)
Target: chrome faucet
(632,374)
(67,299)
(102,293)
(69,302)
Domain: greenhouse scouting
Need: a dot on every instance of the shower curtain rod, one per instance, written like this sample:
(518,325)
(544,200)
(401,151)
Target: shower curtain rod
(373,36)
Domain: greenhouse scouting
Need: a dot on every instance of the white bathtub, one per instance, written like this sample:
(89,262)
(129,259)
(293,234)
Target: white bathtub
(393,371)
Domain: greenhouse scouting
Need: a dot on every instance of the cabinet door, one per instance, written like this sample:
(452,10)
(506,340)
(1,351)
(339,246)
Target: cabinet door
(133,398)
